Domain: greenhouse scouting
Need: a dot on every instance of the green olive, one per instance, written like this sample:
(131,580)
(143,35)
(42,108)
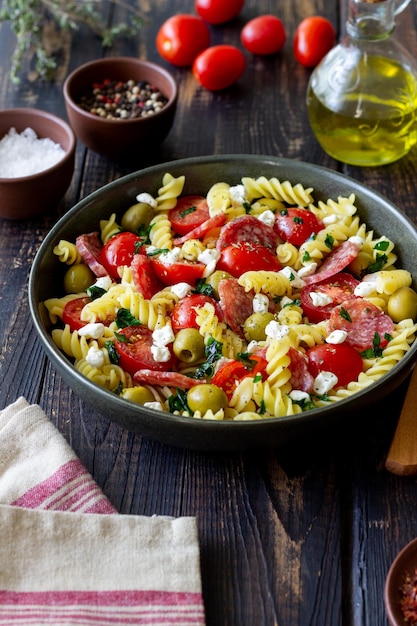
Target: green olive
(402,304)
(137,215)
(189,345)
(214,279)
(255,324)
(77,278)
(140,395)
(204,397)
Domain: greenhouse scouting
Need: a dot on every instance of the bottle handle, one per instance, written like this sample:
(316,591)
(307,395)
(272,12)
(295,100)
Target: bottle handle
(401,5)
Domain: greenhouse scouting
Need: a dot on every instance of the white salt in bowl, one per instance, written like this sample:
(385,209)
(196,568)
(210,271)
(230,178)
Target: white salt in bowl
(27,189)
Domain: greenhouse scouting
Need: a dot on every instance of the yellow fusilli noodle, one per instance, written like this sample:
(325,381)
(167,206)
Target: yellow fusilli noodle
(67,252)
(169,192)
(263,187)
(160,234)
(270,283)
(109,228)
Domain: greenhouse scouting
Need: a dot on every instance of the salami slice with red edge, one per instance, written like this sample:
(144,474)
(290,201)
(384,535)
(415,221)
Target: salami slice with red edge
(89,246)
(235,303)
(201,231)
(335,262)
(364,323)
(250,229)
(144,277)
(301,378)
(172,379)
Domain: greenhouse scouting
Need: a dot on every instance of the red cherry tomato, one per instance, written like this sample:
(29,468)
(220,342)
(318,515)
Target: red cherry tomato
(218,11)
(188,213)
(244,257)
(263,35)
(339,288)
(181,38)
(296,225)
(340,359)
(179,272)
(219,67)
(134,349)
(313,39)
(118,251)
(229,375)
(184,314)
(72,311)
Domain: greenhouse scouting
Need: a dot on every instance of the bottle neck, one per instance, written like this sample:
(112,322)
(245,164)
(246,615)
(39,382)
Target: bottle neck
(371,19)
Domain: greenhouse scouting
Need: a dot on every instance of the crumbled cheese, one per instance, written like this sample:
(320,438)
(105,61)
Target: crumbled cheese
(292,275)
(157,406)
(95,330)
(95,357)
(161,354)
(260,303)
(307,270)
(252,346)
(324,382)
(147,199)
(286,301)
(209,258)
(237,195)
(320,299)
(275,330)
(358,241)
(163,336)
(336,337)
(299,396)
(330,219)
(366,286)
(181,289)
(267,217)
(104,282)
(170,257)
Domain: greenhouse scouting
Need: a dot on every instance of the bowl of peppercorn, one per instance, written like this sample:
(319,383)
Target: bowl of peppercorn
(118,105)
(37,151)
(400,593)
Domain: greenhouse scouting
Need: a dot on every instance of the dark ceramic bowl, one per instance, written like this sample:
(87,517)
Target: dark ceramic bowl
(119,138)
(404,564)
(200,173)
(25,197)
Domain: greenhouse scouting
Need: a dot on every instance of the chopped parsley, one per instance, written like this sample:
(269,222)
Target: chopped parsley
(158,251)
(378,264)
(188,211)
(95,292)
(376,350)
(178,402)
(298,220)
(214,351)
(345,314)
(329,241)
(124,318)
(306,257)
(246,205)
(201,286)
(113,354)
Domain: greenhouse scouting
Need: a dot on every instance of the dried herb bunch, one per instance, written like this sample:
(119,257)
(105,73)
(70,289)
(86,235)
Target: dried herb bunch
(29,17)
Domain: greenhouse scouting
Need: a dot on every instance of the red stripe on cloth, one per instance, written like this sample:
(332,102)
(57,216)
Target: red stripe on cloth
(66,490)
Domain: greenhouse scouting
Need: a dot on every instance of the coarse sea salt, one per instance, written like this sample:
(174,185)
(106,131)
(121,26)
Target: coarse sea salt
(24,154)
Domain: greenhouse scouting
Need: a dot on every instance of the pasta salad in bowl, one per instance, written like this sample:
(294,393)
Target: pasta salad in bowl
(228,302)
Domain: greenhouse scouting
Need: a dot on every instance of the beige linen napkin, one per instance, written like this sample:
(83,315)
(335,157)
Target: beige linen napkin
(67,558)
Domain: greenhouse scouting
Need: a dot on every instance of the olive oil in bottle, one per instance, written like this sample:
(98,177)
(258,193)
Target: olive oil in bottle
(362,98)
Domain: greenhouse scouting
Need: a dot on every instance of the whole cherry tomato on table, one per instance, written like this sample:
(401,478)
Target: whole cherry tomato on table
(218,11)
(313,39)
(181,38)
(263,35)
(218,67)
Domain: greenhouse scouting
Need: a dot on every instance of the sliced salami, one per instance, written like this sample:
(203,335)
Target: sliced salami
(362,321)
(247,228)
(89,246)
(301,378)
(235,303)
(144,277)
(172,379)
(335,262)
(200,231)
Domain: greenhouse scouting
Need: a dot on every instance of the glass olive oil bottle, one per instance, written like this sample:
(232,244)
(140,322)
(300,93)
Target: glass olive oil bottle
(362,98)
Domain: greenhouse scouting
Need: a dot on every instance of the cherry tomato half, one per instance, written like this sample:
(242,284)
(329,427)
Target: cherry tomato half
(339,288)
(296,225)
(184,314)
(219,67)
(263,35)
(134,349)
(340,359)
(229,375)
(313,39)
(118,251)
(218,11)
(72,311)
(181,38)
(244,257)
(179,272)
(189,212)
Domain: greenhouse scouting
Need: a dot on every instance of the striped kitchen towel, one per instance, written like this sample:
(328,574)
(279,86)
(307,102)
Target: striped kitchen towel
(67,557)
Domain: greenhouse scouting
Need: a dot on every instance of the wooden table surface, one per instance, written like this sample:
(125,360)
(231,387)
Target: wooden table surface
(301,536)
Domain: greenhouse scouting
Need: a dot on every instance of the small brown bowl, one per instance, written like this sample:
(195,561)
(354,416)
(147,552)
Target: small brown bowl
(119,138)
(405,563)
(25,197)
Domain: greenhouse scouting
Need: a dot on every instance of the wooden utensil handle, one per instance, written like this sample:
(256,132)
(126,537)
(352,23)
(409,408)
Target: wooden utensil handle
(402,454)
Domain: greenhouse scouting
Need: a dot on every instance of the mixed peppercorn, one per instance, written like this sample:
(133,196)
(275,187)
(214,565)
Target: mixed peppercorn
(112,99)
